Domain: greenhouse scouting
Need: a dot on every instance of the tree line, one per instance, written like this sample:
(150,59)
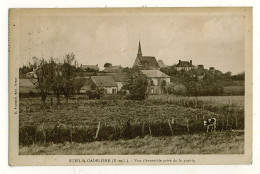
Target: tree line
(57,78)
(200,82)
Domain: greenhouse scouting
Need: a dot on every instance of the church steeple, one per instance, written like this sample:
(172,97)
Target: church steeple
(139,53)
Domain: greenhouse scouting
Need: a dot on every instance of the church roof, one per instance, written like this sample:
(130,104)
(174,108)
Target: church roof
(151,60)
(154,73)
(161,64)
(145,62)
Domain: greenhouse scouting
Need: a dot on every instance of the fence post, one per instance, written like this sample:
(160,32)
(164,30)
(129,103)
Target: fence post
(173,120)
(143,129)
(98,128)
(150,131)
(187,124)
(71,135)
(236,119)
(170,127)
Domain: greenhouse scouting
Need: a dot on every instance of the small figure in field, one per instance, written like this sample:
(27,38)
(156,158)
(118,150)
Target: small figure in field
(211,124)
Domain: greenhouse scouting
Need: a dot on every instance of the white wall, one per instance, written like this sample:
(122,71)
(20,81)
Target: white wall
(119,85)
(110,89)
(155,81)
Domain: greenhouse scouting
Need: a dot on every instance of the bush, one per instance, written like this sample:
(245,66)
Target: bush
(177,89)
(96,93)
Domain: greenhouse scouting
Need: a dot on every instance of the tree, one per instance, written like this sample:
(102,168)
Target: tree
(170,70)
(240,76)
(43,73)
(68,71)
(137,84)
(25,69)
(107,65)
(56,79)
(163,84)
(176,89)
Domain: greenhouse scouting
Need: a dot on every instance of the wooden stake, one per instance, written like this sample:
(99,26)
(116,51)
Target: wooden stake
(71,135)
(188,128)
(143,129)
(150,131)
(236,119)
(98,128)
(173,120)
(170,127)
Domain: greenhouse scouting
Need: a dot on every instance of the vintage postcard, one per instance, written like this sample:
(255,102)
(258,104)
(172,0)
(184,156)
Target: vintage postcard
(130,86)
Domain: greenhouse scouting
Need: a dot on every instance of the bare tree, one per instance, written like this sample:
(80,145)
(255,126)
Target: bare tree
(68,71)
(56,78)
(42,70)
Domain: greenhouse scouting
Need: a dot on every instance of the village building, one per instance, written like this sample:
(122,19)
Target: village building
(89,68)
(145,62)
(28,85)
(31,74)
(184,65)
(212,69)
(99,82)
(120,79)
(200,67)
(113,69)
(156,79)
(161,64)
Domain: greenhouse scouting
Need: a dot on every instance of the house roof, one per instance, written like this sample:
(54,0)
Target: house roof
(93,67)
(184,64)
(161,64)
(114,68)
(119,77)
(154,73)
(104,81)
(27,85)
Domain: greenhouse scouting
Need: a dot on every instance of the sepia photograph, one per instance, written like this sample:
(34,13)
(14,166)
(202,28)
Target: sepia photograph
(130,86)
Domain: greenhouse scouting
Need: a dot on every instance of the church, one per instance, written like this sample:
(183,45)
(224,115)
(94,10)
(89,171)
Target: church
(145,62)
(150,67)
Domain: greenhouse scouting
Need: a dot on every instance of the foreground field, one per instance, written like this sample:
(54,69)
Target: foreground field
(207,143)
(157,125)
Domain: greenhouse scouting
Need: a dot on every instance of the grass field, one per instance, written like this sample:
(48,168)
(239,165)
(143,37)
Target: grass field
(149,127)
(237,101)
(206,143)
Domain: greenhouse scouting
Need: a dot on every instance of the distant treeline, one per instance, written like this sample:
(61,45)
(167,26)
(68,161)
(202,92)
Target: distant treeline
(202,82)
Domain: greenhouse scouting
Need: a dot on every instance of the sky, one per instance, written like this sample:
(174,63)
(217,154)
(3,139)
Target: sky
(211,40)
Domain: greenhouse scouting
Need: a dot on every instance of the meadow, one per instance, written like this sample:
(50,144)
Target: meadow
(108,122)
(206,143)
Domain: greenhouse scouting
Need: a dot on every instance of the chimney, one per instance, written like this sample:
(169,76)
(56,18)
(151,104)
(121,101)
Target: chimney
(190,61)
(179,61)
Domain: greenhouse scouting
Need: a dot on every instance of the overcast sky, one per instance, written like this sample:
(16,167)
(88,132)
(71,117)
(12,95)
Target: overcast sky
(96,39)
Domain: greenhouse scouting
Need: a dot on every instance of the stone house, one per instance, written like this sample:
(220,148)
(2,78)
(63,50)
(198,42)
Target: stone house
(184,65)
(105,82)
(89,68)
(156,79)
